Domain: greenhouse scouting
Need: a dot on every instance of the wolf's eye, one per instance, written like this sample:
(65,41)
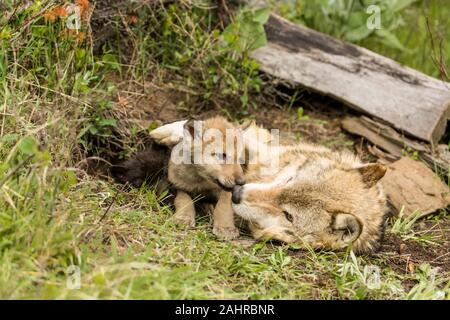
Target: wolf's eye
(288,216)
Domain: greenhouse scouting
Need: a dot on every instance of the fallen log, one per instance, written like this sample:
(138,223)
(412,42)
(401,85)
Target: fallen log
(406,99)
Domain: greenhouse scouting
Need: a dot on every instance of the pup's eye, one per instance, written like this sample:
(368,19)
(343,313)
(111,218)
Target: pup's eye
(288,216)
(221,156)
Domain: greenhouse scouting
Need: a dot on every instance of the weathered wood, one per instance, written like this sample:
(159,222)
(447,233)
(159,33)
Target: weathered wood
(408,100)
(395,144)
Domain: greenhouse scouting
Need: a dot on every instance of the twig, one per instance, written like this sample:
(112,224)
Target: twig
(438,59)
(110,206)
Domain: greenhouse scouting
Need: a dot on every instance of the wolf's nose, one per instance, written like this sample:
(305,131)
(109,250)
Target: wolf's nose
(240,181)
(237,194)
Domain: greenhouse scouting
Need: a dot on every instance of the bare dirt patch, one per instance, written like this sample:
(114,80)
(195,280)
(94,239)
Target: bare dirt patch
(405,255)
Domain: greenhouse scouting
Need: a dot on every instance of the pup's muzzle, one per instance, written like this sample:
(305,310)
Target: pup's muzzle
(236,194)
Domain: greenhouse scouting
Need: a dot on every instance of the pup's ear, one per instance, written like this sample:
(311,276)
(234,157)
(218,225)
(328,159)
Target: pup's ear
(371,173)
(346,227)
(192,129)
(246,124)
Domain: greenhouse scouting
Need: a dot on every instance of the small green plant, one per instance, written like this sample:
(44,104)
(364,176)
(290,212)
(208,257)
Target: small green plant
(403,226)
(245,34)
(430,286)
(279,259)
(413,154)
(301,114)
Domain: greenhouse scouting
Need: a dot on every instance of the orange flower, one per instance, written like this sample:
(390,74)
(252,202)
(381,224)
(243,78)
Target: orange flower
(60,12)
(79,36)
(132,18)
(84,6)
(49,16)
(54,13)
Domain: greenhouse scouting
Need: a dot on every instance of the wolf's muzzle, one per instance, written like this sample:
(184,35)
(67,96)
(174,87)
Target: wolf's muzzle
(240,181)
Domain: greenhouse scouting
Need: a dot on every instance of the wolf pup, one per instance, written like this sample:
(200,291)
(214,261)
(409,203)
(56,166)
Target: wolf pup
(212,170)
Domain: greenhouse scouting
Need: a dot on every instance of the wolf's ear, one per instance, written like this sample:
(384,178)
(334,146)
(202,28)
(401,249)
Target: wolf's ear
(371,173)
(346,227)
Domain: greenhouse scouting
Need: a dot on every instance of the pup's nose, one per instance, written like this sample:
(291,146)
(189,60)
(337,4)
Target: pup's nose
(237,194)
(240,181)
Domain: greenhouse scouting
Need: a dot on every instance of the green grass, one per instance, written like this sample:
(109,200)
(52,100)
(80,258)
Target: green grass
(59,106)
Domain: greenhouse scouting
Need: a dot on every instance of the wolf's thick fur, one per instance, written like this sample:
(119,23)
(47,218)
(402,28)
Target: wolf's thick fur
(327,199)
(211,178)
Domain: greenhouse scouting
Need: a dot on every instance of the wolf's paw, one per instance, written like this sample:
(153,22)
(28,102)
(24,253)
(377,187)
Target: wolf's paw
(184,220)
(226,233)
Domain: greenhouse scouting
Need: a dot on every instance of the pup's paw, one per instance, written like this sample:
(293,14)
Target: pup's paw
(184,220)
(226,233)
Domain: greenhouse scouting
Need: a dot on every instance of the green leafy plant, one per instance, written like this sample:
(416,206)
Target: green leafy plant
(347,19)
(246,32)
(214,65)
